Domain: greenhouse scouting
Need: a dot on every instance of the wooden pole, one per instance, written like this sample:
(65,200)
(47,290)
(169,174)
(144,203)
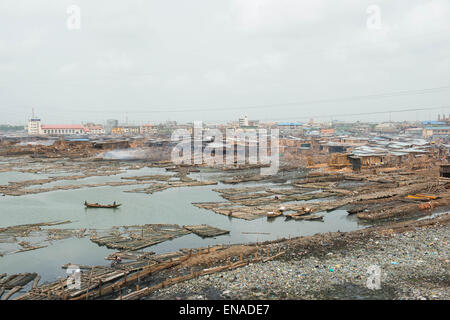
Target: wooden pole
(89,283)
(138,282)
(62,287)
(99,287)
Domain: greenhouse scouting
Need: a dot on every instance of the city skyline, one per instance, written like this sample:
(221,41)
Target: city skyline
(432,116)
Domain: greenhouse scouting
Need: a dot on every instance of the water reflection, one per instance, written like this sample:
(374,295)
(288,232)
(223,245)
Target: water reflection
(171,206)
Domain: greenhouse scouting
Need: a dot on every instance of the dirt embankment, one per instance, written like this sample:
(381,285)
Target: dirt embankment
(59,149)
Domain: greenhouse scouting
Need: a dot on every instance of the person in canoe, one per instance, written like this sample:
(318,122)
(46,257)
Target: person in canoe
(97,205)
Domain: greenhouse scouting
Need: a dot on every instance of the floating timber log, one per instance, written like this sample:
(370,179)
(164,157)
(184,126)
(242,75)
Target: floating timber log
(17,280)
(101,281)
(36,281)
(204,230)
(230,266)
(11,292)
(133,238)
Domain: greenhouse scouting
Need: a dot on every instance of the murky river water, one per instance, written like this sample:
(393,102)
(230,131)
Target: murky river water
(169,206)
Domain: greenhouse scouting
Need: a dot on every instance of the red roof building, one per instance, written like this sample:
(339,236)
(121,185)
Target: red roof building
(63,129)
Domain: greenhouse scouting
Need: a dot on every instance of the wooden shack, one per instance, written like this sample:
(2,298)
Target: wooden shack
(339,160)
(444,171)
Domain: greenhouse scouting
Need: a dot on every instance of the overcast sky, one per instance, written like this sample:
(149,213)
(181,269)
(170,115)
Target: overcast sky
(216,60)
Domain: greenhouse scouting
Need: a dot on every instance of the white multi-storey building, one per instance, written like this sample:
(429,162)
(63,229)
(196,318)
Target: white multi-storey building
(243,122)
(34,126)
(94,129)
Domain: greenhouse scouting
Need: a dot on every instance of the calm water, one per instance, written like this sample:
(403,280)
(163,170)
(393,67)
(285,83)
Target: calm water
(169,206)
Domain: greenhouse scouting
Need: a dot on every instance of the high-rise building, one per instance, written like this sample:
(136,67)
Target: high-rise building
(34,126)
(243,122)
(111,124)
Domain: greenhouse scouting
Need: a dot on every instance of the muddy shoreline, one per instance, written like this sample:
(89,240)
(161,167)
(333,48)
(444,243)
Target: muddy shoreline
(413,256)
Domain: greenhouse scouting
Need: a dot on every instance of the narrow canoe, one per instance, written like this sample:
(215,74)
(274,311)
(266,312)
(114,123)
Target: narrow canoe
(96,205)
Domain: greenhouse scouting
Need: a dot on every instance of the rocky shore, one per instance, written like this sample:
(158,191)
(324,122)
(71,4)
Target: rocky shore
(413,260)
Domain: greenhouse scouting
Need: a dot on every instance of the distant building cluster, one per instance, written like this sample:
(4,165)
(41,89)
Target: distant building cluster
(112,127)
(295,134)
(35,128)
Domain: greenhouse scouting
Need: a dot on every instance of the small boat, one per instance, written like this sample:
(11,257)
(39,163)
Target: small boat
(308,217)
(97,205)
(418,197)
(295,214)
(427,196)
(313,217)
(274,214)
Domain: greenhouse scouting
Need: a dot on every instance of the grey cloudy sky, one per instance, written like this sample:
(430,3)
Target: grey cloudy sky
(216,60)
